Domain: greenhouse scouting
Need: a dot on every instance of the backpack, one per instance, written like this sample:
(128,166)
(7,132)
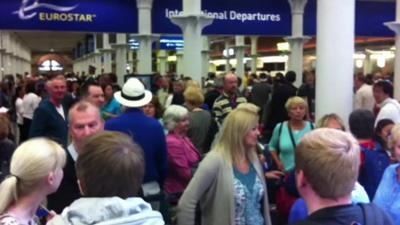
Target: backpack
(371,213)
(375,162)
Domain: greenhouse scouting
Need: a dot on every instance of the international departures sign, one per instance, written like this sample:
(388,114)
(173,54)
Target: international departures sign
(242,17)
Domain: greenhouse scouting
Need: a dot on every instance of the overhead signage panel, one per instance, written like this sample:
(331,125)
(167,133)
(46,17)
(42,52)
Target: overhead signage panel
(369,20)
(250,17)
(69,15)
(268,17)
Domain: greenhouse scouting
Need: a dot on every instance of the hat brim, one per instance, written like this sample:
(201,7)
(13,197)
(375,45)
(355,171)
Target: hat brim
(132,103)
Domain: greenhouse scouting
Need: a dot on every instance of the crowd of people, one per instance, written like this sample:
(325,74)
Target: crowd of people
(84,150)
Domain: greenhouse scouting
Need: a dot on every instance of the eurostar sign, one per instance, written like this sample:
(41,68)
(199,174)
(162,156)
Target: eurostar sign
(70,15)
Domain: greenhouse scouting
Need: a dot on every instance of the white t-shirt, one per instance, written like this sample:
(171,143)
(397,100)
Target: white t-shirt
(390,109)
(60,110)
(19,108)
(29,104)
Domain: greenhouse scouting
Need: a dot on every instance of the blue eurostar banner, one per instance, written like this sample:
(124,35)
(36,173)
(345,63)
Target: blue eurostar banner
(70,15)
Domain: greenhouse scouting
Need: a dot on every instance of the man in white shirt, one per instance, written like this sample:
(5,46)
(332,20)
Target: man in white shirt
(364,98)
(389,107)
(84,121)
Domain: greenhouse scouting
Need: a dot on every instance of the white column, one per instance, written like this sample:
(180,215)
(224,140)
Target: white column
(335,67)
(254,54)
(162,61)
(239,52)
(121,48)
(131,60)
(145,37)
(367,66)
(395,26)
(205,55)
(227,56)
(106,52)
(297,39)
(1,62)
(179,62)
(192,23)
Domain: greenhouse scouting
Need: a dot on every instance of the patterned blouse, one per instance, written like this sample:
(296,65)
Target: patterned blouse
(249,193)
(7,219)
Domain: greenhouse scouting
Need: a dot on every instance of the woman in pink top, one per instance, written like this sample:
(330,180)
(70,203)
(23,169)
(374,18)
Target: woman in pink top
(182,155)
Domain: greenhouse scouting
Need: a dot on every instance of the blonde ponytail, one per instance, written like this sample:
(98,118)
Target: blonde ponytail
(8,192)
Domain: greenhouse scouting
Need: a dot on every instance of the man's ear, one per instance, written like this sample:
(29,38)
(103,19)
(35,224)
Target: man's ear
(81,186)
(301,180)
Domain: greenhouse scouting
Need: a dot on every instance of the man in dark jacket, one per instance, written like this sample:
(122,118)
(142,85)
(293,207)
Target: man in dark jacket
(49,119)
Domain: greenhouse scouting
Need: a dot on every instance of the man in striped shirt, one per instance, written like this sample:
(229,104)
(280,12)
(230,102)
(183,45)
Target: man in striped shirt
(229,98)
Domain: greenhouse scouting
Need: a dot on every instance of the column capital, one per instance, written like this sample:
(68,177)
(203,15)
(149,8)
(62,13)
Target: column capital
(117,46)
(151,37)
(293,39)
(106,50)
(297,6)
(144,4)
(200,20)
(394,26)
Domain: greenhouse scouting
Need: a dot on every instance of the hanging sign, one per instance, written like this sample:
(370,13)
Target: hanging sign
(369,19)
(250,17)
(269,17)
(69,15)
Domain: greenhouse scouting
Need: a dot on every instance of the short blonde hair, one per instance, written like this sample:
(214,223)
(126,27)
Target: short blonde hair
(234,128)
(194,96)
(323,122)
(173,115)
(31,162)
(296,100)
(330,161)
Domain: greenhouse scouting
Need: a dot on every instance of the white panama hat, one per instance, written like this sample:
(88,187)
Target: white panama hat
(133,94)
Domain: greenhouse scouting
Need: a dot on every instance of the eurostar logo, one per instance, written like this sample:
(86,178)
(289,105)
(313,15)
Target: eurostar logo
(26,10)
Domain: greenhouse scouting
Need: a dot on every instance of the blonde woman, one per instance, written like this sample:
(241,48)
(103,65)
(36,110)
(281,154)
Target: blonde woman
(287,135)
(229,184)
(35,171)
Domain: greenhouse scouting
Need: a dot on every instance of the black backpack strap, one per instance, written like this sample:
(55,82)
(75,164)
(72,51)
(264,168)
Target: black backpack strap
(278,150)
(372,214)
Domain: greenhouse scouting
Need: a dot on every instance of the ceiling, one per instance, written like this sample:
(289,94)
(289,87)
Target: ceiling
(46,42)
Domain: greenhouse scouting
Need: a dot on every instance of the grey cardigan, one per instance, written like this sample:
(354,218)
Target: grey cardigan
(212,188)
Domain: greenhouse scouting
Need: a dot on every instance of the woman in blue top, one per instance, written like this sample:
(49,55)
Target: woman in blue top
(387,196)
(287,135)
(111,108)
